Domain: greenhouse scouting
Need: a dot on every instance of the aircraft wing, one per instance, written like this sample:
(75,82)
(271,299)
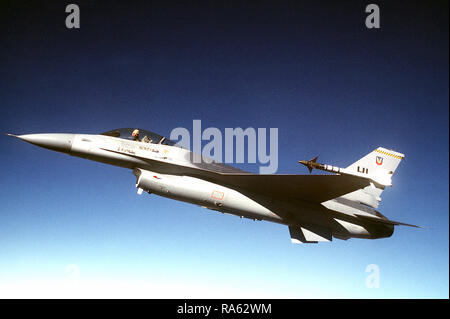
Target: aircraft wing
(312,188)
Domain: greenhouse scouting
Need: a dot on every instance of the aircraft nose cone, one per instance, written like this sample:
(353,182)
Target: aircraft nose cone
(60,142)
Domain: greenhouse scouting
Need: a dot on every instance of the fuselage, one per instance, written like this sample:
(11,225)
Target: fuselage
(170,171)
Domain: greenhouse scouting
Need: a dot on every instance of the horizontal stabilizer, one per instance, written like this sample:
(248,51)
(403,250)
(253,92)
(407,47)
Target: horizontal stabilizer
(309,235)
(386,221)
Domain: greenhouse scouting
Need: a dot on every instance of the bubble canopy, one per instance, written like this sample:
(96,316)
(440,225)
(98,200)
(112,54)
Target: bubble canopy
(142,136)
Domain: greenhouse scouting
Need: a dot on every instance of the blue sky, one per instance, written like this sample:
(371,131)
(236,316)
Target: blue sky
(71,227)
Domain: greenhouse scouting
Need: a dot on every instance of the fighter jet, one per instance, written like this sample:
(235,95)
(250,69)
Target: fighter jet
(315,208)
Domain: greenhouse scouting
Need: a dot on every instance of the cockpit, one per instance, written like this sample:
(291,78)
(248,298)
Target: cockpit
(137,134)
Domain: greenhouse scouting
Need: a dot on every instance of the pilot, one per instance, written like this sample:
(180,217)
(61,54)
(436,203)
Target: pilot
(135,135)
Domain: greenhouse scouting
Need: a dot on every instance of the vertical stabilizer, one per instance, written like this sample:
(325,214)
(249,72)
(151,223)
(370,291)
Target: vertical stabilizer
(380,164)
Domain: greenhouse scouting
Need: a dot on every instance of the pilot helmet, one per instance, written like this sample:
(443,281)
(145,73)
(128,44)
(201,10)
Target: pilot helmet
(135,133)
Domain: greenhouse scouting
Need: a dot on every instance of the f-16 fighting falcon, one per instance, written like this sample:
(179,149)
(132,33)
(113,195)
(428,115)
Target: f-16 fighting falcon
(315,208)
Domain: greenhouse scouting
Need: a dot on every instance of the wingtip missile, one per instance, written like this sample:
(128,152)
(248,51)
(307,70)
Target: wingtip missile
(383,179)
(307,165)
(310,164)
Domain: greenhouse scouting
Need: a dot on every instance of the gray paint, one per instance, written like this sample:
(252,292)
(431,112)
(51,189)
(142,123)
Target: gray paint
(315,207)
